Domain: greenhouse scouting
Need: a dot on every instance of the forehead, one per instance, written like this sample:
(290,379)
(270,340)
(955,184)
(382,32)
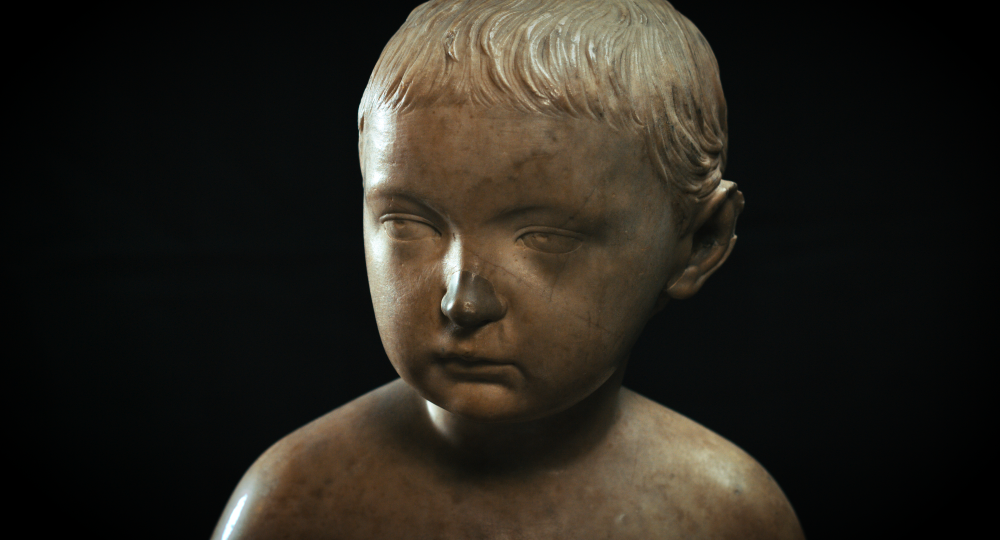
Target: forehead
(451,131)
(510,157)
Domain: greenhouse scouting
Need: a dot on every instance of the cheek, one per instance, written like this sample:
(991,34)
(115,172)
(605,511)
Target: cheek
(403,291)
(592,314)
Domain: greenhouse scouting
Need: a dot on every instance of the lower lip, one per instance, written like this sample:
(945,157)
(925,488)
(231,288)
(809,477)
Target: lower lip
(476,368)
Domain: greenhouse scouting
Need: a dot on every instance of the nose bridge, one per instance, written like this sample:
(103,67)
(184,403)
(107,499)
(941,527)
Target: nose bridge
(462,255)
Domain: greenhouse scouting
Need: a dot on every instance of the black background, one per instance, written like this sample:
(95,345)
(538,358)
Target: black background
(189,282)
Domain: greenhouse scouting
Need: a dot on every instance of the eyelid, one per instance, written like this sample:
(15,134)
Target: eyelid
(550,240)
(549,230)
(407,217)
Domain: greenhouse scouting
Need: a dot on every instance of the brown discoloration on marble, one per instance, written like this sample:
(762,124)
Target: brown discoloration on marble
(571,314)
(513,260)
(654,474)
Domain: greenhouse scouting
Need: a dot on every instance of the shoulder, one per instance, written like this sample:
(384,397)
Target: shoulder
(312,477)
(710,485)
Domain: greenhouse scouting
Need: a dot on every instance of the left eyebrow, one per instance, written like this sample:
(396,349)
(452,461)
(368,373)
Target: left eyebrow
(557,214)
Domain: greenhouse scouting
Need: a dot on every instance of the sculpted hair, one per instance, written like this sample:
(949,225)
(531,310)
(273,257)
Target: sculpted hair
(637,65)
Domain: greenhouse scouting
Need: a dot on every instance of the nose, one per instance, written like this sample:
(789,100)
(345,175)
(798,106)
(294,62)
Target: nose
(471,301)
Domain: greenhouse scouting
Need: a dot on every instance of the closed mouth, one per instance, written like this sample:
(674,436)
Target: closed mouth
(472,361)
(475,368)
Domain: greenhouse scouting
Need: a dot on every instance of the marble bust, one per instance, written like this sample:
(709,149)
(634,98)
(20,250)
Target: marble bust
(540,178)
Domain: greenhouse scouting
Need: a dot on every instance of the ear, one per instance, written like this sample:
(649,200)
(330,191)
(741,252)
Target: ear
(361,138)
(709,244)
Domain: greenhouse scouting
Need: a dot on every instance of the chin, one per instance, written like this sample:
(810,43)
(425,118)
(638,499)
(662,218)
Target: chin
(489,403)
(482,402)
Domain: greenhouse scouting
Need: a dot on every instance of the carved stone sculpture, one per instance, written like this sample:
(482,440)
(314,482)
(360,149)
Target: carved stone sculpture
(540,178)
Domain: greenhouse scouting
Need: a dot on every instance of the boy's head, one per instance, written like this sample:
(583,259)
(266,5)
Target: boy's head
(540,177)
(637,65)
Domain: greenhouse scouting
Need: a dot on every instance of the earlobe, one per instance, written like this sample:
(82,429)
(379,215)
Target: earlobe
(710,243)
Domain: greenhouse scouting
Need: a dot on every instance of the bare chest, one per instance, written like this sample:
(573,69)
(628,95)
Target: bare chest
(556,505)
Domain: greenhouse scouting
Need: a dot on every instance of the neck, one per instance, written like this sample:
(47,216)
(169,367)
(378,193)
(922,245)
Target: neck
(550,442)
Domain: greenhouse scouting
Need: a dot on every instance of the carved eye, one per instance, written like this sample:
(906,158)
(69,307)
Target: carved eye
(404,228)
(550,242)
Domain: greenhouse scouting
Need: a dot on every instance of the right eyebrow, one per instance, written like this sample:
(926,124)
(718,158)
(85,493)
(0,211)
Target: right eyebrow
(394,195)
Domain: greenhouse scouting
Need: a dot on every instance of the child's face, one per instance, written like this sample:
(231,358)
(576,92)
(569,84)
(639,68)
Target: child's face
(513,259)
